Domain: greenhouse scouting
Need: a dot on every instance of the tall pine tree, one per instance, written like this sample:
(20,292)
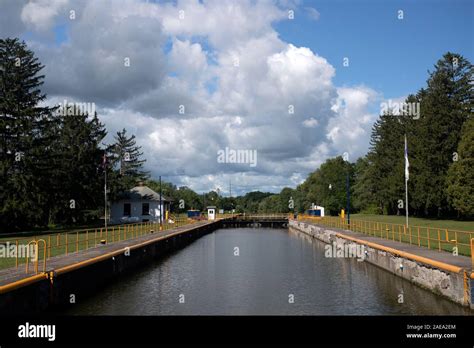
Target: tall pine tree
(24,144)
(446,104)
(460,178)
(124,157)
(77,182)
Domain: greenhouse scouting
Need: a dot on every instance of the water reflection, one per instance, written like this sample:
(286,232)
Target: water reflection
(273,266)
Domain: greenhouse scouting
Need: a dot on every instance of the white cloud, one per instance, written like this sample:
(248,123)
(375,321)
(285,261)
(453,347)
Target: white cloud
(225,22)
(350,130)
(188,60)
(191,61)
(310,122)
(40,14)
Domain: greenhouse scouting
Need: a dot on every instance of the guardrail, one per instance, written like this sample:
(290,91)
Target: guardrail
(430,237)
(264,216)
(17,251)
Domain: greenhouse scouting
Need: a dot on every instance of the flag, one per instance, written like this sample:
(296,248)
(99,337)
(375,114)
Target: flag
(407,164)
(104,161)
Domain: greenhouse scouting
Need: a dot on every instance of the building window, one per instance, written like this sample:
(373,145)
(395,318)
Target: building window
(145,208)
(127,209)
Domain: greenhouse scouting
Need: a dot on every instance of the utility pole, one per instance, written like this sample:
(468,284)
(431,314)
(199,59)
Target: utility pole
(161,208)
(348,204)
(407,165)
(104,163)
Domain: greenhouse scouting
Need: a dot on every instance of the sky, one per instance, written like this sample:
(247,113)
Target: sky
(286,84)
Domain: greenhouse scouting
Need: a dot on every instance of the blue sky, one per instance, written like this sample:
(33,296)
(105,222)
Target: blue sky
(385,53)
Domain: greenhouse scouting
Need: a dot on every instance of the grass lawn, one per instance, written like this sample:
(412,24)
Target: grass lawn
(71,242)
(430,233)
(394,219)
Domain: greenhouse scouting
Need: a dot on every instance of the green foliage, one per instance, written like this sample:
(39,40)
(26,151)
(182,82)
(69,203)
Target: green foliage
(125,166)
(48,160)
(24,140)
(50,163)
(250,202)
(385,163)
(327,185)
(364,192)
(460,177)
(445,105)
(76,156)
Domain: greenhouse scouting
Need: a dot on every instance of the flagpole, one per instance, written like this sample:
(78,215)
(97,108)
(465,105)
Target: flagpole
(406,200)
(161,208)
(406,180)
(105,191)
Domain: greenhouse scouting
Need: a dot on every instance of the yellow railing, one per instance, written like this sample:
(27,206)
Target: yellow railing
(430,237)
(36,254)
(265,216)
(223,216)
(64,243)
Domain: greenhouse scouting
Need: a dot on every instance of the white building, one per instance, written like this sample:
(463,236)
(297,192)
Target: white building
(139,204)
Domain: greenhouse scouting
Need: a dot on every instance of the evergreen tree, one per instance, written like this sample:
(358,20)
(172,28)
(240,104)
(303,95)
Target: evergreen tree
(446,104)
(124,157)
(461,173)
(386,155)
(78,181)
(24,144)
(364,193)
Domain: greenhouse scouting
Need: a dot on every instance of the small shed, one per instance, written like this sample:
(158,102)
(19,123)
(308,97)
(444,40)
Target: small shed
(194,214)
(316,211)
(140,203)
(211,212)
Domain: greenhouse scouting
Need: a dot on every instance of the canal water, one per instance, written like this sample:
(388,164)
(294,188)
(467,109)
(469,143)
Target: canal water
(246,271)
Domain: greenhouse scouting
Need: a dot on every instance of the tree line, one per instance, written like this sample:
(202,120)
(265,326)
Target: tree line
(440,141)
(54,162)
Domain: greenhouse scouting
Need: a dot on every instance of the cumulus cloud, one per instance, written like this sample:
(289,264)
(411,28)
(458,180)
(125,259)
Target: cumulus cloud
(222,63)
(350,130)
(40,14)
(109,57)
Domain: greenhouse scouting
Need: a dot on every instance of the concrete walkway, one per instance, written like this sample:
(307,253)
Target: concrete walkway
(441,256)
(12,274)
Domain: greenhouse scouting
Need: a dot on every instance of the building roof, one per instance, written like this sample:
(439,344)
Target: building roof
(139,193)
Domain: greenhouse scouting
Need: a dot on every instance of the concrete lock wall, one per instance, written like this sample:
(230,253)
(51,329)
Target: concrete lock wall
(448,284)
(75,285)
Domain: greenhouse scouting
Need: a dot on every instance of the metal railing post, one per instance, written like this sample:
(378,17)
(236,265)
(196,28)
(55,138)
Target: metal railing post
(16,257)
(472,252)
